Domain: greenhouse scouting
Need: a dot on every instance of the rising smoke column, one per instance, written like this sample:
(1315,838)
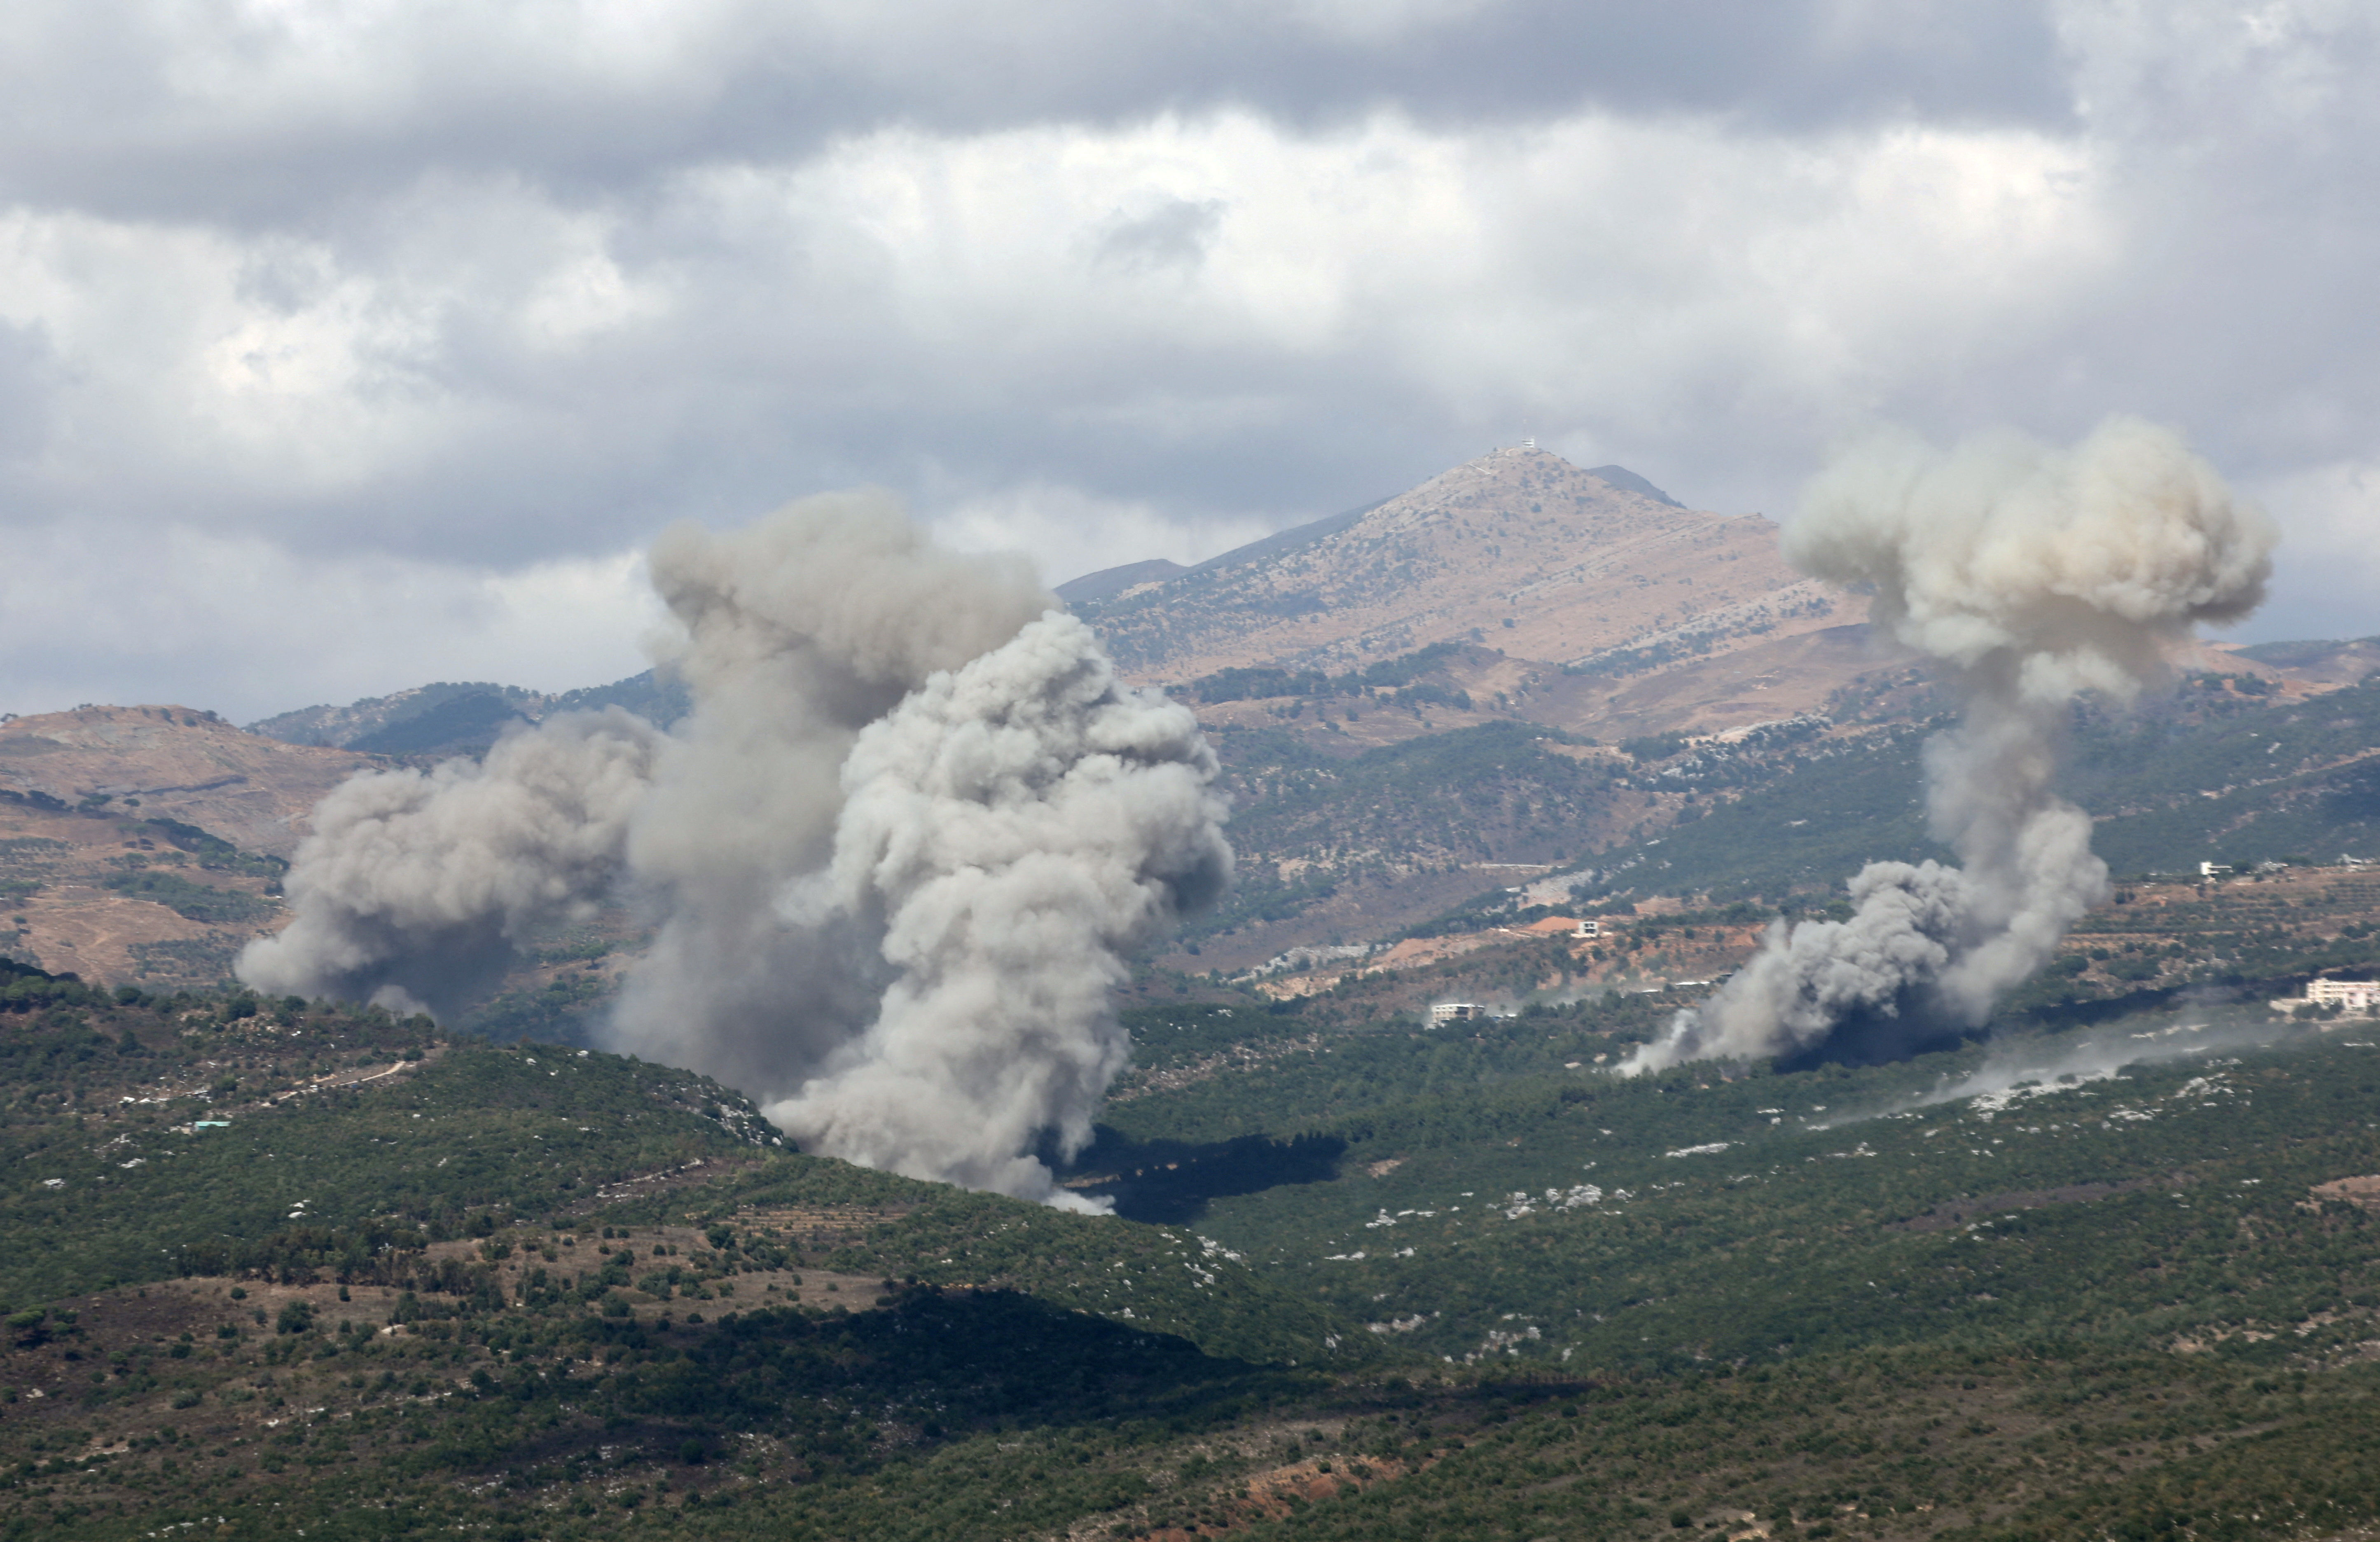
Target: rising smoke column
(2032,575)
(1014,827)
(413,885)
(798,631)
(892,855)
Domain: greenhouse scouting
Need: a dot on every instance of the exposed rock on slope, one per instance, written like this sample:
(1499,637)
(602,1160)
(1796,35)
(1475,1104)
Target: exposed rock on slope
(1519,549)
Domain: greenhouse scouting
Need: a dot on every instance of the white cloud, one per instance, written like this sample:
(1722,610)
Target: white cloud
(916,291)
(2328,572)
(239,625)
(1069,533)
(346,289)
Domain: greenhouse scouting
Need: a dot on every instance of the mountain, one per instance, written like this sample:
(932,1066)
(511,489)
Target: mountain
(1109,582)
(1518,550)
(660,700)
(253,791)
(145,845)
(1629,482)
(344,727)
(2337,663)
(1113,582)
(456,726)
(448,718)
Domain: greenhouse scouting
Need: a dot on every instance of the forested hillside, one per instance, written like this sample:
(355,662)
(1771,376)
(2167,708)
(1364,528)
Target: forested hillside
(2211,773)
(2106,1266)
(281,1267)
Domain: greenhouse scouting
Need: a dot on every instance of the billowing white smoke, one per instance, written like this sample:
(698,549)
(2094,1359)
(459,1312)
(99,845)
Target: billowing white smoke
(1016,825)
(894,854)
(2033,575)
(799,630)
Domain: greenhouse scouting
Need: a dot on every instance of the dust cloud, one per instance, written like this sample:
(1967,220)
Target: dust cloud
(2032,575)
(1012,828)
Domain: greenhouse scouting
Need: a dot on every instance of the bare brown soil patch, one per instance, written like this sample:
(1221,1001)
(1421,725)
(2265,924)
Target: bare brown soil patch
(179,763)
(2363,1190)
(59,913)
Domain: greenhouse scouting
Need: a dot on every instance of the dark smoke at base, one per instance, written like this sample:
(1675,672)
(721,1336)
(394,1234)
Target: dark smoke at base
(1864,1036)
(414,886)
(895,854)
(2031,575)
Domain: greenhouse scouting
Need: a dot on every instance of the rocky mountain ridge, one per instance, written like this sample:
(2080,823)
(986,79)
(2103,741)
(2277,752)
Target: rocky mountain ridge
(1518,549)
(1391,743)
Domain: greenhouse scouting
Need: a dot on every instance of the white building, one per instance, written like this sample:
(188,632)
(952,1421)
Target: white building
(1456,1012)
(1588,929)
(2346,995)
(2350,995)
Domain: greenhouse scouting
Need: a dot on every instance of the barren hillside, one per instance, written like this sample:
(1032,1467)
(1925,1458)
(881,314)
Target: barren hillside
(1518,550)
(120,900)
(176,762)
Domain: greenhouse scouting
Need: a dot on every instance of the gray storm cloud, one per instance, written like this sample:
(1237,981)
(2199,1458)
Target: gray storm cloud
(2033,575)
(894,855)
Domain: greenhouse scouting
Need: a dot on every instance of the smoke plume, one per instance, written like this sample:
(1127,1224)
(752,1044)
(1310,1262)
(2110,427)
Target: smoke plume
(1012,828)
(2032,575)
(797,632)
(413,886)
(894,855)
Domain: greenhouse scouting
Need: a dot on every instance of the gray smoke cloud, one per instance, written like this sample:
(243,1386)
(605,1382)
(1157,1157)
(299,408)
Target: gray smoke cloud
(1014,827)
(413,885)
(2033,575)
(894,856)
(795,632)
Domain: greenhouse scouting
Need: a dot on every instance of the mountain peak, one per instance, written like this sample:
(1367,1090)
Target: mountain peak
(1517,549)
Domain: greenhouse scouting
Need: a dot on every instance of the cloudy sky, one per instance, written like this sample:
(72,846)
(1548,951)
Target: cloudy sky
(350,344)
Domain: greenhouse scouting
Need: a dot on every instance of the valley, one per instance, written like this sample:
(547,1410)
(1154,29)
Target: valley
(1396,757)
(2108,1267)
(1386,1281)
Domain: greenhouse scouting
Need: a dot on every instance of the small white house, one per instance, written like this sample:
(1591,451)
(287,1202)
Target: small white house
(1588,929)
(1456,1012)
